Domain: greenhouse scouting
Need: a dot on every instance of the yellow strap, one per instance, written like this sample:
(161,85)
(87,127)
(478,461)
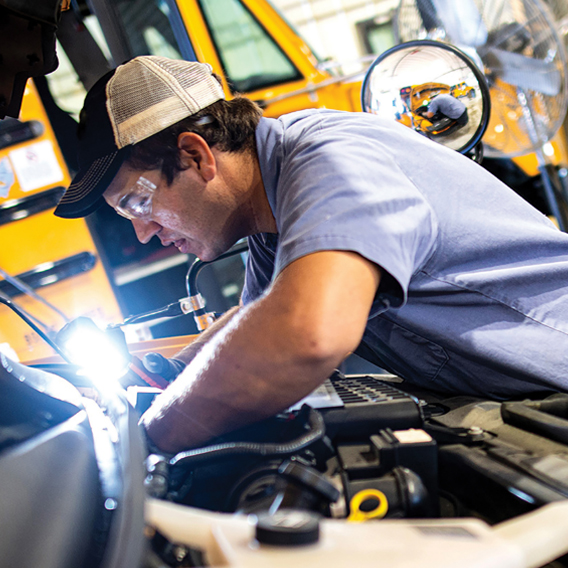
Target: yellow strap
(358,516)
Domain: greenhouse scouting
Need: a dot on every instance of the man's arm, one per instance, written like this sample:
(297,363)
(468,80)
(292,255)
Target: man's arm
(271,354)
(170,368)
(188,353)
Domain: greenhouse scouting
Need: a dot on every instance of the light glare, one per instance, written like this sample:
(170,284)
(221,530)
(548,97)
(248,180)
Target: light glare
(91,349)
(548,149)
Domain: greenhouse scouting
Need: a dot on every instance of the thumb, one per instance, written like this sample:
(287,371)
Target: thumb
(169,369)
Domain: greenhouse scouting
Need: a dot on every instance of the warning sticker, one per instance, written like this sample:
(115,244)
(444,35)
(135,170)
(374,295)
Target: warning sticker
(36,165)
(6,177)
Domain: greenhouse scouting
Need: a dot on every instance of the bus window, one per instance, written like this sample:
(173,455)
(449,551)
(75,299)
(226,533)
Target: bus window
(148,28)
(250,57)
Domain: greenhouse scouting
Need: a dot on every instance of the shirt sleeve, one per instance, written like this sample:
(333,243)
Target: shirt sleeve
(347,191)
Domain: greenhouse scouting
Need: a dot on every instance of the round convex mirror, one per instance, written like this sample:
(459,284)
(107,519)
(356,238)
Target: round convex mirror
(432,88)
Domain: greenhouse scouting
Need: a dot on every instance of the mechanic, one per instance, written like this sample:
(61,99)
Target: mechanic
(359,229)
(450,107)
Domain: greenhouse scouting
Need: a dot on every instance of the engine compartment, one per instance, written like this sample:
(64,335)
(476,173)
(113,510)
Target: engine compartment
(77,475)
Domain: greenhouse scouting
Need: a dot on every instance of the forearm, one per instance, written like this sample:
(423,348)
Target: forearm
(249,371)
(188,353)
(271,354)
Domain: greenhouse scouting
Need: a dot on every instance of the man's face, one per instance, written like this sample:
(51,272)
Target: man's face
(197,217)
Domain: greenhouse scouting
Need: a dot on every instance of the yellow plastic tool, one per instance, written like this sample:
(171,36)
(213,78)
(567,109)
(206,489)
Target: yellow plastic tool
(358,516)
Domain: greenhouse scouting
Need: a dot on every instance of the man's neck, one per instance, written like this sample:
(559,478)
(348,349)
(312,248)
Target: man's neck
(241,173)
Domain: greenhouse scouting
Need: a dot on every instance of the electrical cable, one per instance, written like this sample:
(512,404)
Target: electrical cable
(202,318)
(31,316)
(23,287)
(170,311)
(198,265)
(194,303)
(22,315)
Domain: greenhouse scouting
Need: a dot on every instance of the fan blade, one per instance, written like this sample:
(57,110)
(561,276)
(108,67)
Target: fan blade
(462,22)
(524,72)
(428,15)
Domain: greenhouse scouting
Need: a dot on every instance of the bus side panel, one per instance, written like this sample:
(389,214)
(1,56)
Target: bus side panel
(28,169)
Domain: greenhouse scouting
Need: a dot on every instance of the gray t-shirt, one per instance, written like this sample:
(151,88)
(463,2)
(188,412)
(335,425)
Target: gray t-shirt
(448,105)
(473,295)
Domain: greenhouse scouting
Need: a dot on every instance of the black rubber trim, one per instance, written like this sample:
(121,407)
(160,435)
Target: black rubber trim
(14,131)
(51,272)
(17,209)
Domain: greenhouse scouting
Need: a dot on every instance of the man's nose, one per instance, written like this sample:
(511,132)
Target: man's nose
(145,230)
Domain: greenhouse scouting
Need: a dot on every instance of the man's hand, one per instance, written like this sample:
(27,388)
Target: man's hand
(271,353)
(169,369)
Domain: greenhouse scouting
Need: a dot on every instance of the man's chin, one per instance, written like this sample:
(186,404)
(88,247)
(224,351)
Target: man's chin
(209,255)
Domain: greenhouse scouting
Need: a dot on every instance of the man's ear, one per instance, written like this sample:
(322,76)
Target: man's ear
(196,153)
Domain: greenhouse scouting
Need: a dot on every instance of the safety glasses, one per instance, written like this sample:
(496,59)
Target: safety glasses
(136,203)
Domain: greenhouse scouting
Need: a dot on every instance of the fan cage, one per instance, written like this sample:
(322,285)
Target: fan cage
(507,39)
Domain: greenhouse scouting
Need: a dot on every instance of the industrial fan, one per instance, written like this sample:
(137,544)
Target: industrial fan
(516,45)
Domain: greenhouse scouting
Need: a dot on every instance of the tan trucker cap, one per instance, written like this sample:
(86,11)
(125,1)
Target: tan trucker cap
(135,101)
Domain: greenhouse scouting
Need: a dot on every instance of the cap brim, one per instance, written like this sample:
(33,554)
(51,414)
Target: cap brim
(85,194)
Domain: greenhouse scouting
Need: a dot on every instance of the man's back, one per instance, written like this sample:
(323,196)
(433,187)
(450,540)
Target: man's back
(447,105)
(483,271)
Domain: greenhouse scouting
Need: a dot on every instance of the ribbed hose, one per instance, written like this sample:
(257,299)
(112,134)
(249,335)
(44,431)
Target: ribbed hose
(194,457)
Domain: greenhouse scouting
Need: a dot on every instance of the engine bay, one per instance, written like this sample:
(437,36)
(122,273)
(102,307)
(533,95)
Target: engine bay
(362,467)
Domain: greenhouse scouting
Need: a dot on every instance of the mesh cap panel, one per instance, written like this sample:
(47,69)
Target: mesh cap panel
(149,94)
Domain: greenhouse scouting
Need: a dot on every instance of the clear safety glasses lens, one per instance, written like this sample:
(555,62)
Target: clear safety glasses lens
(137,202)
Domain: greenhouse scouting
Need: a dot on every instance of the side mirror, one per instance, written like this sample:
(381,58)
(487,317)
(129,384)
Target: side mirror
(404,82)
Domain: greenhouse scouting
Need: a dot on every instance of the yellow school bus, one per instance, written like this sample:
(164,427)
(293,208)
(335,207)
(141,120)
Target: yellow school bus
(55,257)
(248,44)
(255,51)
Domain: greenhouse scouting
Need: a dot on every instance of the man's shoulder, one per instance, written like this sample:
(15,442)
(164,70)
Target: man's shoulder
(324,118)
(309,126)
(310,114)
(303,125)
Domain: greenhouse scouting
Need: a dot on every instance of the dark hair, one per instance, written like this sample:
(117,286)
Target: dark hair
(228,125)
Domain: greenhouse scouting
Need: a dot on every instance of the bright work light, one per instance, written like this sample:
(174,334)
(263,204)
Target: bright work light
(100,354)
